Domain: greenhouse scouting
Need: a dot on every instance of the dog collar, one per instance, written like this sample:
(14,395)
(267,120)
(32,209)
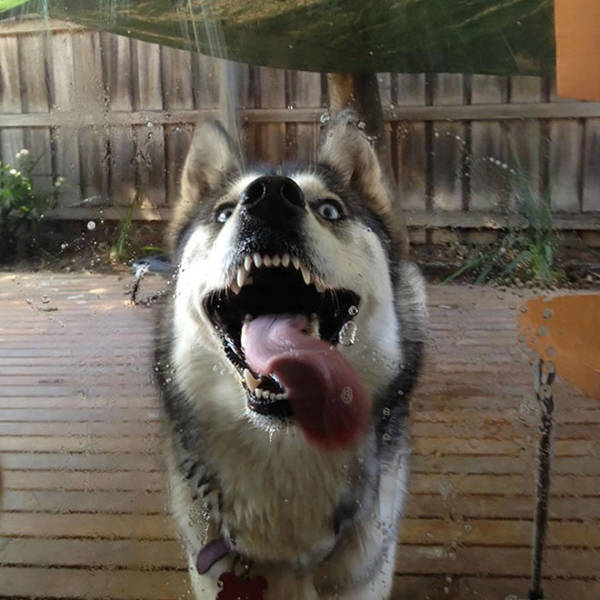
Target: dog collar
(231,585)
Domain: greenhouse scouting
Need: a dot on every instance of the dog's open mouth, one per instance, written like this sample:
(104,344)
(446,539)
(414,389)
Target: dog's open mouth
(280,324)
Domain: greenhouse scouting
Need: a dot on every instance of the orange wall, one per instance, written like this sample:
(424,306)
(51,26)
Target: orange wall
(578,48)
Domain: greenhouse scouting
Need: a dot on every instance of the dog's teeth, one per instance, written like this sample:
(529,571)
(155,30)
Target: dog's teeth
(276,260)
(241,277)
(267,260)
(256,258)
(285,260)
(235,288)
(248,262)
(305,274)
(258,392)
(251,381)
(296,262)
(280,396)
(314,325)
(319,285)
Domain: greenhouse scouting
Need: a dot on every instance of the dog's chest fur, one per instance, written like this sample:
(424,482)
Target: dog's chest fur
(279,497)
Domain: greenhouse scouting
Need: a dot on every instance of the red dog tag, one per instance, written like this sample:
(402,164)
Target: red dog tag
(235,587)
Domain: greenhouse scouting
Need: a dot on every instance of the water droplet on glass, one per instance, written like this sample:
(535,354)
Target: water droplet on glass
(347,334)
(550,352)
(386,437)
(547,314)
(91,225)
(324,118)
(361,125)
(149,124)
(523,309)
(347,395)
(542,331)
(386,412)
(353,311)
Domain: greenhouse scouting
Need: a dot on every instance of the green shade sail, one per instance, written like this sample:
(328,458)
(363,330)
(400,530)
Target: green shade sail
(467,36)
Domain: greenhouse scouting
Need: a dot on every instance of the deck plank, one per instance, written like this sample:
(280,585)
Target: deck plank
(83,511)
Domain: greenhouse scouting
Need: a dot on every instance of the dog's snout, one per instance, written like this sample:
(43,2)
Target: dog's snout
(271,196)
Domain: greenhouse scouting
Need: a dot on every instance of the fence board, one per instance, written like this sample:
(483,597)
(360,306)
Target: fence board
(449,141)
(118,76)
(565,163)
(410,144)
(524,137)
(205,81)
(489,160)
(591,174)
(11,140)
(176,73)
(150,140)
(271,139)
(33,53)
(90,97)
(386,83)
(303,138)
(65,139)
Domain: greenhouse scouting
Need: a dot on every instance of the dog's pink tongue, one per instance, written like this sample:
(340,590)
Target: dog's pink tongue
(327,397)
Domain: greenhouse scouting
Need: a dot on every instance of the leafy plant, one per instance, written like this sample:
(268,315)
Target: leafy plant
(527,249)
(121,247)
(22,206)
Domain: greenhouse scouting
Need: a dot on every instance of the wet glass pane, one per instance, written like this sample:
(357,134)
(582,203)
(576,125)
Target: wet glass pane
(342,344)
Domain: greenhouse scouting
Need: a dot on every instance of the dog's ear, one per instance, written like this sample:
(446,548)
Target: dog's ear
(347,150)
(210,161)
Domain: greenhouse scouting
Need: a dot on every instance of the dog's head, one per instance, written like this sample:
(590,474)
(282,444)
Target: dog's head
(286,302)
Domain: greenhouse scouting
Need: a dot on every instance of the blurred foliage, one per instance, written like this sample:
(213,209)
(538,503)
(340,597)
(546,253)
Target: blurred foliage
(22,206)
(527,249)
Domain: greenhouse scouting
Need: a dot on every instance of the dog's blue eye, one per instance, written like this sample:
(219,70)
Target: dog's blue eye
(224,213)
(329,211)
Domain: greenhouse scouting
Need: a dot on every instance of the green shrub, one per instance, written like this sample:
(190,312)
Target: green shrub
(527,247)
(22,206)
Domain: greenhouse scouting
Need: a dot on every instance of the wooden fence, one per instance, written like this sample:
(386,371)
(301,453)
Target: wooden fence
(114,117)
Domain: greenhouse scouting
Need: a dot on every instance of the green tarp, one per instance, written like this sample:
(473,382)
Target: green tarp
(466,36)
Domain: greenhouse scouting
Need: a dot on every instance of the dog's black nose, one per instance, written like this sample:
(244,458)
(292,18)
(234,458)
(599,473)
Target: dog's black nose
(272,196)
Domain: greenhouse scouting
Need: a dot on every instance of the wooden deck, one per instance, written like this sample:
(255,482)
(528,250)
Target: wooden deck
(83,507)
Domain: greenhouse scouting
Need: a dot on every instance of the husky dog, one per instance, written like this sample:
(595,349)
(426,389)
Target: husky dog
(285,357)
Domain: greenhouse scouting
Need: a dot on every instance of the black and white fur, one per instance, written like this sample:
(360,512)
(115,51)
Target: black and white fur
(315,524)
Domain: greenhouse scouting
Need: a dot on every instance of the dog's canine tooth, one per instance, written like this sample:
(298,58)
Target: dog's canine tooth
(313,325)
(247,262)
(285,260)
(257,259)
(276,260)
(296,262)
(319,285)
(235,288)
(241,276)
(305,274)
(267,260)
(251,381)
(258,392)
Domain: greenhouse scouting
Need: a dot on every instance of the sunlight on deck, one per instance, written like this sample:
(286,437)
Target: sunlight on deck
(83,506)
